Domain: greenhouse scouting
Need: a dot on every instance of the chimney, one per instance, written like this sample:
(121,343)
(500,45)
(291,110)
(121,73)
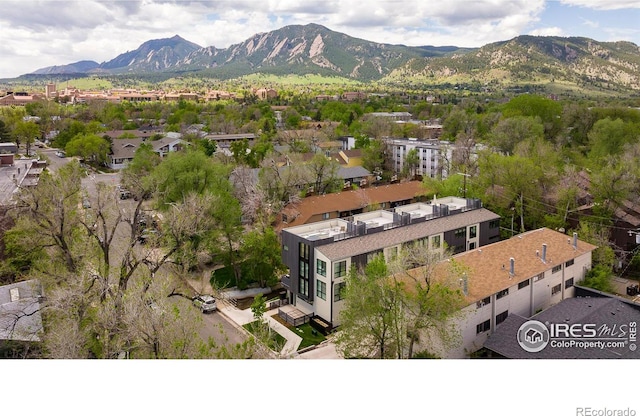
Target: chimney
(575,241)
(544,252)
(512,264)
(464,282)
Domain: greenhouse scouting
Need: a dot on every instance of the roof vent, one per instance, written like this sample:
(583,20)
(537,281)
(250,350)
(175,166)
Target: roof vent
(544,252)
(512,264)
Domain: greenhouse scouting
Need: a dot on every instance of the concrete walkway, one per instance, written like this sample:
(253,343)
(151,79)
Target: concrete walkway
(241,317)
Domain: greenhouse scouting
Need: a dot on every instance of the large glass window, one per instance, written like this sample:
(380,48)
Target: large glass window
(340,269)
(321,267)
(338,291)
(473,231)
(303,269)
(321,289)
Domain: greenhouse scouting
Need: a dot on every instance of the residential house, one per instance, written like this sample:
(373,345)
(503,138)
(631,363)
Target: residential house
(20,319)
(266,93)
(611,318)
(8,148)
(320,254)
(391,116)
(123,150)
(350,202)
(350,158)
(624,234)
(354,96)
(223,141)
(523,275)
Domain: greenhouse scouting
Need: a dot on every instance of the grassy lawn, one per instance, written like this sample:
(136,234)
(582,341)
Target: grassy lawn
(275,341)
(309,335)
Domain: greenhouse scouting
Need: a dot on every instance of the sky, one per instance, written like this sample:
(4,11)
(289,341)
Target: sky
(36,34)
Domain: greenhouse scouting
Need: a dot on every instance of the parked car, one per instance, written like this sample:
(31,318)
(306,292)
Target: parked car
(206,303)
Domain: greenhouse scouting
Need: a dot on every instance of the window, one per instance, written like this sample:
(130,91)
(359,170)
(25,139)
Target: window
(494,224)
(321,267)
(483,327)
(556,269)
(340,269)
(435,242)
(321,289)
(569,263)
(502,293)
(524,284)
(325,216)
(483,302)
(460,233)
(556,289)
(539,277)
(303,270)
(473,231)
(501,317)
(472,246)
(568,283)
(304,251)
(338,291)
(303,286)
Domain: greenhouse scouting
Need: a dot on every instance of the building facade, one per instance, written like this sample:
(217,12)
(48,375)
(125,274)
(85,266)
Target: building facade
(523,275)
(319,255)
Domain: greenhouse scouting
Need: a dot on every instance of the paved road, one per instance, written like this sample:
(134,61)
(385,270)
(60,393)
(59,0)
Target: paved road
(216,326)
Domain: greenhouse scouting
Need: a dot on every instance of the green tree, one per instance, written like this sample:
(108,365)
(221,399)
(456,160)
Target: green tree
(509,132)
(89,147)
(262,257)
(26,132)
(608,138)
(371,305)
(411,163)
(5,134)
(324,172)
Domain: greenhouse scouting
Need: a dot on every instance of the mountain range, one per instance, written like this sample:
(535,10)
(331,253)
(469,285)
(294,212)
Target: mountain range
(314,49)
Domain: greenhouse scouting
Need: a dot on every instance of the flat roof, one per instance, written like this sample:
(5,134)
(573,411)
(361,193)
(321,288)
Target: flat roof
(372,242)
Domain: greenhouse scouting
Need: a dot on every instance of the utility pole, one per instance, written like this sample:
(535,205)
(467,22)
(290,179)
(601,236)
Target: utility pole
(464,183)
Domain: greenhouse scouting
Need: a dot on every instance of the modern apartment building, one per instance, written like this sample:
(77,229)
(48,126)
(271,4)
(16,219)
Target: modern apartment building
(435,156)
(319,255)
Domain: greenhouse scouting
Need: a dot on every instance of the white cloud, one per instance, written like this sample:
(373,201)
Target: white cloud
(34,34)
(604,4)
(548,31)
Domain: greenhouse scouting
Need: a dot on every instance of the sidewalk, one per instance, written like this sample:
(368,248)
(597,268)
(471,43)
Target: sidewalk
(241,317)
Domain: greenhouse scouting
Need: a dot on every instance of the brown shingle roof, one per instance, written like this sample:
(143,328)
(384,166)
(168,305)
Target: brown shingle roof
(351,200)
(377,241)
(485,272)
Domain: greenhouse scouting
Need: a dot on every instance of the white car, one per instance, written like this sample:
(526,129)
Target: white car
(206,303)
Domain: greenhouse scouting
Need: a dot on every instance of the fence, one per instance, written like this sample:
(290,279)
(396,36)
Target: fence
(294,321)
(277,303)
